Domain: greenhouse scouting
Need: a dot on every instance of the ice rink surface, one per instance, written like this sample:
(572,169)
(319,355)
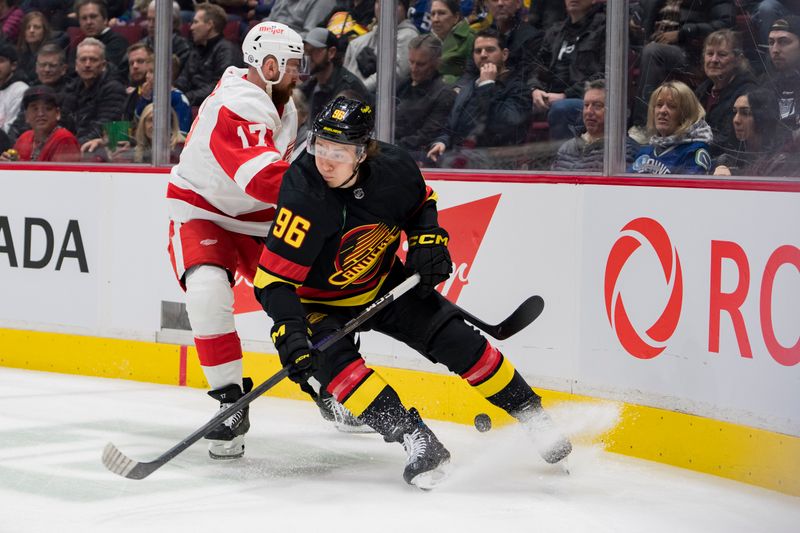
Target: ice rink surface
(300,474)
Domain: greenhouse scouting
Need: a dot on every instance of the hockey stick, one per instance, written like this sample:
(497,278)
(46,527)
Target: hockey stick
(118,463)
(527,312)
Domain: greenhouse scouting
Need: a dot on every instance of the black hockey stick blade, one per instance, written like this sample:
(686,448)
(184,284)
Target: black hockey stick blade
(527,312)
(120,464)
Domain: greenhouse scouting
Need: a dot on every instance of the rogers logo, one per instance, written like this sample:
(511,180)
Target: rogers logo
(635,233)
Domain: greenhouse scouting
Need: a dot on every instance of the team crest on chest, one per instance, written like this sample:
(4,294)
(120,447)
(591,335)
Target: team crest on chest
(361,252)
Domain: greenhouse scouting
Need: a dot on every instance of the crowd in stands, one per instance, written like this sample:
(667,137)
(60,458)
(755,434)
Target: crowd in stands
(714,85)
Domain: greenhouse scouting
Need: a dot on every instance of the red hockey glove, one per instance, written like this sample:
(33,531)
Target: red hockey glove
(428,255)
(295,349)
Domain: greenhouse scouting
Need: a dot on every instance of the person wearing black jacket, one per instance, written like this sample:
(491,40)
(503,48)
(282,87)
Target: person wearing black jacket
(211,55)
(494,109)
(93,21)
(424,101)
(331,252)
(521,39)
(573,52)
(672,32)
(93,99)
(729,76)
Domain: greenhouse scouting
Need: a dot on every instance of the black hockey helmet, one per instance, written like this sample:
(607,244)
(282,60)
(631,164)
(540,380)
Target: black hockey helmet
(346,121)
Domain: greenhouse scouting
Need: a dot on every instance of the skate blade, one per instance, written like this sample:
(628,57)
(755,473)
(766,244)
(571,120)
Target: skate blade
(432,478)
(347,428)
(226,449)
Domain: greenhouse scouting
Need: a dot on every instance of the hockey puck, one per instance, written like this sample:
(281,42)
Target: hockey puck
(482,422)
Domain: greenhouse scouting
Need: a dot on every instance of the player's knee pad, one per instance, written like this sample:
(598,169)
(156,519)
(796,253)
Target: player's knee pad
(457,345)
(209,300)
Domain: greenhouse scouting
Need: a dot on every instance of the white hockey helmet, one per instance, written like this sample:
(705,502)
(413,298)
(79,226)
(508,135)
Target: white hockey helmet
(272,39)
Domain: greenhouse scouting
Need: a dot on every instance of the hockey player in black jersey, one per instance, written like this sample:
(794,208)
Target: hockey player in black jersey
(332,251)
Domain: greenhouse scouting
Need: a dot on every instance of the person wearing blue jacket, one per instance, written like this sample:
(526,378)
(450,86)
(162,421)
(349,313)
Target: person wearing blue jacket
(679,135)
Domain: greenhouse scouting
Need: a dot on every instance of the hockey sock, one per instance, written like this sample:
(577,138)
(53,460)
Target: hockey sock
(367,395)
(221,359)
(496,379)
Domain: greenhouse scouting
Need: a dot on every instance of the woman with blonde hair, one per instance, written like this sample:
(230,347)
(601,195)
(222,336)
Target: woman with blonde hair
(142,152)
(679,135)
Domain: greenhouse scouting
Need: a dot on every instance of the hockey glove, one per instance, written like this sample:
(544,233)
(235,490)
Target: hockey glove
(295,350)
(428,255)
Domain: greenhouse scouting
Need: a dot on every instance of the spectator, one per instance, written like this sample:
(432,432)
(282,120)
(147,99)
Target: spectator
(97,98)
(180,46)
(45,140)
(301,104)
(457,38)
(35,32)
(142,152)
(210,56)
(10,20)
(765,147)
(522,40)
(729,76)
(493,109)
(328,77)
(178,101)
(672,32)
(11,86)
(301,15)
(361,57)
(584,153)
(140,61)
(51,70)
(573,53)
(680,137)
(423,102)
(93,21)
(784,78)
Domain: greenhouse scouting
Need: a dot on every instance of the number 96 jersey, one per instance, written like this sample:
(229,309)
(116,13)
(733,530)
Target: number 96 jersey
(336,246)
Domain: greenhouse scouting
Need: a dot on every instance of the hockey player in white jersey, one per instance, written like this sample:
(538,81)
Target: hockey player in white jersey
(222,197)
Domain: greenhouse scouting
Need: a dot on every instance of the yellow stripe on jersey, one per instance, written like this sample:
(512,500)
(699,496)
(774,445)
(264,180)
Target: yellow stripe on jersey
(433,197)
(353,301)
(498,381)
(264,278)
(365,394)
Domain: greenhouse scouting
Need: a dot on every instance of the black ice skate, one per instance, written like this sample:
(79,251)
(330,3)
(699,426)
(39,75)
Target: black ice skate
(226,441)
(551,444)
(342,418)
(428,460)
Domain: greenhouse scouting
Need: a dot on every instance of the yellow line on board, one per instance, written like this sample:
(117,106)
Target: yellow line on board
(753,456)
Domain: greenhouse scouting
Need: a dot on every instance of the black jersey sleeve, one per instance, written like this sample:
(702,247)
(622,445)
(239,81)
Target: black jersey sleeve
(294,242)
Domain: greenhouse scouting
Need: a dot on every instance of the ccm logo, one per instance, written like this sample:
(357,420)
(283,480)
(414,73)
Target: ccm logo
(639,231)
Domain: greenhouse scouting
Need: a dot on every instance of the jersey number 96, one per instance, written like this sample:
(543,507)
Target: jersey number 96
(290,228)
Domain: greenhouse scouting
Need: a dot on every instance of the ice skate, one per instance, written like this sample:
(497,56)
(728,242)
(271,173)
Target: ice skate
(549,442)
(428,460)
(226,441)
(342,418)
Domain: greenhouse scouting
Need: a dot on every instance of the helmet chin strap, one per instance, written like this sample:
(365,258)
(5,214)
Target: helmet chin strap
(265,80)
(348,180)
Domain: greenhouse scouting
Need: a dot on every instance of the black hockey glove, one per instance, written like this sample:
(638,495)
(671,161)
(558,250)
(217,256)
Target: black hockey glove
(295,350)
(428,255)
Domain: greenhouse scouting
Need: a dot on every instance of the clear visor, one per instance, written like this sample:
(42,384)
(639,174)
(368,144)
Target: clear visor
(300,67)
(333,151)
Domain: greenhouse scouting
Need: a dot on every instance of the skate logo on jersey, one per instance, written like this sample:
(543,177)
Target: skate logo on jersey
(208,242)
(651,342)
(361,253)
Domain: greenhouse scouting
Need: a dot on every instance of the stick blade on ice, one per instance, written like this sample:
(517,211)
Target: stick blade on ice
(122,465)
